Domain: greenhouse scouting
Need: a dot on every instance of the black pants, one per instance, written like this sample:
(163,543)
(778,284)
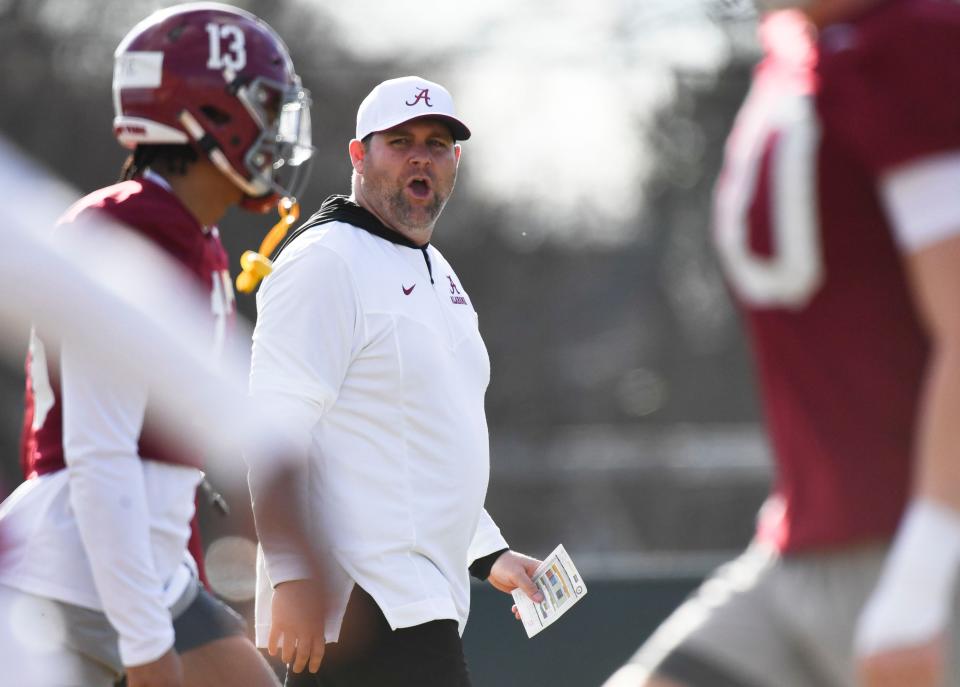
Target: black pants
(370,654)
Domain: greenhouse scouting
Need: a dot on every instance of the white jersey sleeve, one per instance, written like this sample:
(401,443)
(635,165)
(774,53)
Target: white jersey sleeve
(922,200)
(307,332)
(487,538)
(102,420)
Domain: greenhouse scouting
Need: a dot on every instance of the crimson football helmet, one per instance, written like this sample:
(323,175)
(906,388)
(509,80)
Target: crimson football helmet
(220,79)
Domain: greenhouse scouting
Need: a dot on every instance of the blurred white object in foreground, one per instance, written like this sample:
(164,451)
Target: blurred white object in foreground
(127,304)
(125,301)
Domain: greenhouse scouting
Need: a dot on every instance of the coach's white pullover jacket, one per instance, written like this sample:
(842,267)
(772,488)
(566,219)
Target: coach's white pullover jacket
(385,370)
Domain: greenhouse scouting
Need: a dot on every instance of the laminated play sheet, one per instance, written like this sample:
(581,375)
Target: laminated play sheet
(557,578)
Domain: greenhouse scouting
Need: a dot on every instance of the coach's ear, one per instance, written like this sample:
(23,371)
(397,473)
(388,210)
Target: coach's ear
(358,153)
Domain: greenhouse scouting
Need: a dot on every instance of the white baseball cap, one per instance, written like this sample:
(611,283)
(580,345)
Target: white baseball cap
(396,101)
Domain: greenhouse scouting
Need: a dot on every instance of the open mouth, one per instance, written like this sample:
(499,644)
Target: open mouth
(419,187)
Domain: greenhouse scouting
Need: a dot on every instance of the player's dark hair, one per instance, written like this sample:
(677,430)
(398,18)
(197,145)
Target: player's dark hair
(167,159)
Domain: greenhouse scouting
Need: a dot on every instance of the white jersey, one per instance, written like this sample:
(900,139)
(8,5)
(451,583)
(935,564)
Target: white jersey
(377,353)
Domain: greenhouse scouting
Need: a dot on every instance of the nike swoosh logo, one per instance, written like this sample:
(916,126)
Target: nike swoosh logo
(406,291)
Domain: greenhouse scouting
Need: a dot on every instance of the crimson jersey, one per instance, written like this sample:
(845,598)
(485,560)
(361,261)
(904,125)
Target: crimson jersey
(155,213)
(812,258)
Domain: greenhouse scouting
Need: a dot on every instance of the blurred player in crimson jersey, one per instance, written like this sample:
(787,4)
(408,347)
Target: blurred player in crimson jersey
(95,540)
(838,225)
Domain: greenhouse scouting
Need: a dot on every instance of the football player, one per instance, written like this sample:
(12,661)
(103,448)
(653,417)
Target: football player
(837,221)
(96,580)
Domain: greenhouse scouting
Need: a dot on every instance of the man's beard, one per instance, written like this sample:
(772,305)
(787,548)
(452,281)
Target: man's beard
(413,217)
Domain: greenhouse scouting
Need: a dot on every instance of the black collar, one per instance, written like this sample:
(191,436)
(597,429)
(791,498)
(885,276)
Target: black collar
(341,209)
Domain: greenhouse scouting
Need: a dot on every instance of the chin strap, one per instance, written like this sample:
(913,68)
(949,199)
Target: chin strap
(257,265)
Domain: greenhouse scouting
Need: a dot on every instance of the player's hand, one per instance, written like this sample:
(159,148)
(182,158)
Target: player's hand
(296,626)
(166,671)
(513,570)
(917,666)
